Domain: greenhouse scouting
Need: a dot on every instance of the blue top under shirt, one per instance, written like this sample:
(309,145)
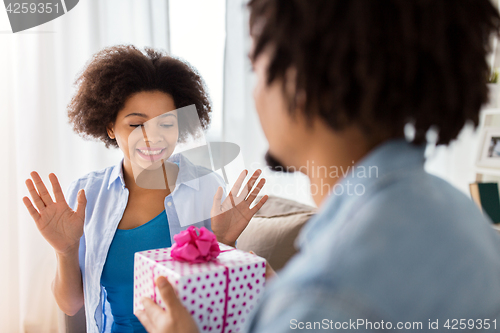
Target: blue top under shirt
(118,272)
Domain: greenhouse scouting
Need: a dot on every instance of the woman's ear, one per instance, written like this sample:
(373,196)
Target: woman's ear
(111,132)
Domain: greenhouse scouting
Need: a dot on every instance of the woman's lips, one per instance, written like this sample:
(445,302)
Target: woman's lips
(151,154)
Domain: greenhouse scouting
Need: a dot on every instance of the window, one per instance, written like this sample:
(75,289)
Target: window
(197,34)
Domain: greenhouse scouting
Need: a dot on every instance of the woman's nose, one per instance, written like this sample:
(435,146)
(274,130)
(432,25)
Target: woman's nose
(152,134)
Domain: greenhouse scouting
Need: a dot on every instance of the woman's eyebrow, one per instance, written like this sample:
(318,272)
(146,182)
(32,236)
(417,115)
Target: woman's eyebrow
(146,116)
(136,114)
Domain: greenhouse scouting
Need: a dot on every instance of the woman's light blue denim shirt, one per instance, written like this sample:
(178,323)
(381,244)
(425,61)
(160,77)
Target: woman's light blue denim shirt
(397,246)
(107,197)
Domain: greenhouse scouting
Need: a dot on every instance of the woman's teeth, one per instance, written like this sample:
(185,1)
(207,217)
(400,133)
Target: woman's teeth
(150,152)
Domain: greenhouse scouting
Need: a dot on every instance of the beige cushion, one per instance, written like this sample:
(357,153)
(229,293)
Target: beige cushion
(272,231)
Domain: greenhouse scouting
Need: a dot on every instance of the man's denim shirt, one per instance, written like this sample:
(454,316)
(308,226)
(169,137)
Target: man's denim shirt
(107,198)
(408,248)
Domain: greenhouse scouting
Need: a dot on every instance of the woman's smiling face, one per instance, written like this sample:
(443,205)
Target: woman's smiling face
(146,129)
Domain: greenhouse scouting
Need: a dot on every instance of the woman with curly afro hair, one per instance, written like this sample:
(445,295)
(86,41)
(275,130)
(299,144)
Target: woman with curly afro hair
(135,101)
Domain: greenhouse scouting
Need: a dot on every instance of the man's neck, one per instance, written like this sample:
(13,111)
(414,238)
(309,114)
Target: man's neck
(331,157)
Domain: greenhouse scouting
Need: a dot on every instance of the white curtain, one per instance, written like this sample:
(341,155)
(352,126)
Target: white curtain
(37,71)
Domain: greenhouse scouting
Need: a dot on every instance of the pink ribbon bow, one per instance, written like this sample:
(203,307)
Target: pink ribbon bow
(195,245)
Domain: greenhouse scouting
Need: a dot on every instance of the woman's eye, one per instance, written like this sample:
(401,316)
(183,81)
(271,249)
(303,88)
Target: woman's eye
(166,125)
(136,125)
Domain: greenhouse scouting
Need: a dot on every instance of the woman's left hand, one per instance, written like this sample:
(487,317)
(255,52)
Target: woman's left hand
(232,216)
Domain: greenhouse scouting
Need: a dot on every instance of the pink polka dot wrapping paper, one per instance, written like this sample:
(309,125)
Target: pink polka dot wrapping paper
(206,292)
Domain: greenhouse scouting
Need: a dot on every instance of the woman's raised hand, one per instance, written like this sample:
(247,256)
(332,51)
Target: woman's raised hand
(58,223)
(232,216)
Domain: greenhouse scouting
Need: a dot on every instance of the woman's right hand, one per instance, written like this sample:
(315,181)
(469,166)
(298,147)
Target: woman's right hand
(61,226)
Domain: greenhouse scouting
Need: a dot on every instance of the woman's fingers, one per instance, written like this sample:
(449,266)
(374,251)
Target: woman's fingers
(34,195)
(259,205)
(250,183)
(239,181)
(256,191)
(56,188)
(231,201)
(42,190)
(32,210)
(82,203)
(217,198)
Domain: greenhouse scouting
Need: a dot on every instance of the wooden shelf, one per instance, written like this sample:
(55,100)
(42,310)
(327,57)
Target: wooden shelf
(488,171)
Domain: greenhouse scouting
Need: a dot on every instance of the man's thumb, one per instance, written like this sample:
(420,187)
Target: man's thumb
(167,293)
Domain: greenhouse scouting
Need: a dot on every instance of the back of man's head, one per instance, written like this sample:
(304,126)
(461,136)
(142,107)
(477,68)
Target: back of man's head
(381,64)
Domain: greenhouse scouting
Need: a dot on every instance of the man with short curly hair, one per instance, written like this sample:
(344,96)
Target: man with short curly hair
(392,247)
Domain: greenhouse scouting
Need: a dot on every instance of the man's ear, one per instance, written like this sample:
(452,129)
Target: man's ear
(111,132)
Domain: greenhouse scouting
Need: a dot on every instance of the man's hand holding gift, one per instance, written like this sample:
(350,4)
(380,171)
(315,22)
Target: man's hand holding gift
(210,284)
(175,319)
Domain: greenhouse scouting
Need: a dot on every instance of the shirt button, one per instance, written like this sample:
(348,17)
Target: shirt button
(169,204)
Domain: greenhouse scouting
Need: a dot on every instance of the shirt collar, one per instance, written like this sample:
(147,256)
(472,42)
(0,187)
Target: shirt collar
(388,159)
(188,173)
(116,173)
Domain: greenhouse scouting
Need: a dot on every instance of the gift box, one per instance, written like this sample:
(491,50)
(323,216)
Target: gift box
(219,291)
